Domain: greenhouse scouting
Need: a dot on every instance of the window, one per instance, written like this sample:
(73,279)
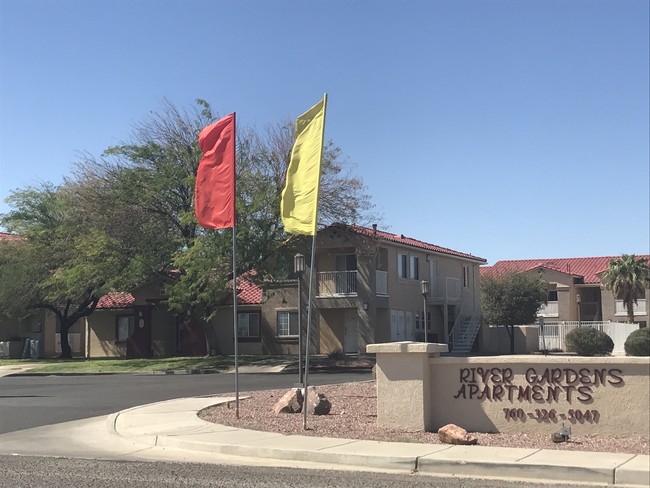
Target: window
(248,324)
(465,276)
(419,323)
(124,328)
(402,270)
(552,296)
(415,268)
(287,323)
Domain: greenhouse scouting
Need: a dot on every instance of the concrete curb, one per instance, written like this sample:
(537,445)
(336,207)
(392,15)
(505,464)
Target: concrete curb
(184,430)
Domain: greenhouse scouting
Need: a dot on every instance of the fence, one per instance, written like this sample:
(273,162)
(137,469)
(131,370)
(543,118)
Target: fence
(552,335)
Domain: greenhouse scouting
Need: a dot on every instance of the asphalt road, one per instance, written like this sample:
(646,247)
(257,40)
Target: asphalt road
(33,401)
(43,472)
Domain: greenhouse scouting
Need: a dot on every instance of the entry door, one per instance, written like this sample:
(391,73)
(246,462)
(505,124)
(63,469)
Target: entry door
(138,345)
(397,325)
(351,336)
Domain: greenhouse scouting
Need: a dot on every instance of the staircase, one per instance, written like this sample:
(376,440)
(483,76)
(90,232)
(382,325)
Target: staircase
(464,333)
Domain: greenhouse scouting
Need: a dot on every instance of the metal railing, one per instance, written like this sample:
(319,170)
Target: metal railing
(337,283)
(553,335)
(445,288)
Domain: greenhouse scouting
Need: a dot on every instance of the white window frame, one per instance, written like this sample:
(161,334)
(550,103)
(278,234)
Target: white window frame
(244,324)
(286,328)
(466,281)
(124,327)
(414,267)
(402,265)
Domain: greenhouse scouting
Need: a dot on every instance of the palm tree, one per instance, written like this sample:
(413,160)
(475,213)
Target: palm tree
(627,277)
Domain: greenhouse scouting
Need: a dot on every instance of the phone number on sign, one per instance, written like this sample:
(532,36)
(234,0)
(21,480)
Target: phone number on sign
(544,414)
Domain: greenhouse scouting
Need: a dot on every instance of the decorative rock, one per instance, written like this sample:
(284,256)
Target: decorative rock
(291,402)
(453,434)
(317,403)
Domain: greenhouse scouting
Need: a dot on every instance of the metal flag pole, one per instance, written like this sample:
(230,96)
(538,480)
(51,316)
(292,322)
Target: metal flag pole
(234,317)
(234,290)
(311,280)
(305,384)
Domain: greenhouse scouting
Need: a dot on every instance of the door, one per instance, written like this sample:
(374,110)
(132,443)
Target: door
(351,334)
(138,345)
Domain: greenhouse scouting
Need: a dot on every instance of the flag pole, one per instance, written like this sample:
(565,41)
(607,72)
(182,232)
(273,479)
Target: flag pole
(311,279)
(234,287)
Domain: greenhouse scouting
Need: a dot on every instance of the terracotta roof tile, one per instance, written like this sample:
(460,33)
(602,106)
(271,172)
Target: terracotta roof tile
(115,300)
(4,236)
(401,239)
(248,293)
(587,268)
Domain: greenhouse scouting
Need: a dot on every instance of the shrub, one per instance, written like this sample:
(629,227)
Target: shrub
(638,343)
(587,341)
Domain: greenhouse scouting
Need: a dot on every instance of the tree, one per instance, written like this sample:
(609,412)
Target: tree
(155,171)
(512,299)
(627,277)
(69,255)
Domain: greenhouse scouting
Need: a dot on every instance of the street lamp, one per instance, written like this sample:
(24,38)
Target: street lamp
(299,269)
(578,300)
(425,292)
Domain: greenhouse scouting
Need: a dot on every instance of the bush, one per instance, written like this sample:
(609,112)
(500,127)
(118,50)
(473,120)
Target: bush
(638,343)
(587,341)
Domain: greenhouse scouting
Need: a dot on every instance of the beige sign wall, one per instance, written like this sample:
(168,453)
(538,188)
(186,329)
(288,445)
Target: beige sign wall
(514,394)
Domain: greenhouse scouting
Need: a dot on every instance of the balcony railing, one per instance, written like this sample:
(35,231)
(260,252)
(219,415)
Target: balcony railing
(337,283)
(549,310)
(445,288)
(639,308)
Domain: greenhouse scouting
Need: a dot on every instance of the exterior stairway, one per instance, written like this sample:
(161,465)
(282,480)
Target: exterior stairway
(463,334)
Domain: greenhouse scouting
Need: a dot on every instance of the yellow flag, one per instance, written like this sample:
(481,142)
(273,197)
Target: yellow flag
(299,205)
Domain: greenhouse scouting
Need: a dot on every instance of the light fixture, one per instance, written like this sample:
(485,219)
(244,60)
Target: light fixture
(425,291)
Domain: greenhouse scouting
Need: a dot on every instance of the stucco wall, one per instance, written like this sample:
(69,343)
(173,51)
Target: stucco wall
(101,340)
(515,394)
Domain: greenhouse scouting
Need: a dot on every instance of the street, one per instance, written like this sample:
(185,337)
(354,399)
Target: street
(32,401)
(44,472)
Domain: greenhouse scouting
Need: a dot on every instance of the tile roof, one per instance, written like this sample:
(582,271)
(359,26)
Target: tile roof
(4,236)
(401,239)
(248,293)
(587,268)
(115,300)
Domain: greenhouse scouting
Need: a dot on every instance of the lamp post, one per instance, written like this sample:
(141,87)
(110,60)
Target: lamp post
(425,292)
(578,300)
(299,269)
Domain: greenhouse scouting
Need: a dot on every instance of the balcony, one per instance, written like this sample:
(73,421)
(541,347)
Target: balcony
(337,284)
(551,309)
(639,308)
(445,289)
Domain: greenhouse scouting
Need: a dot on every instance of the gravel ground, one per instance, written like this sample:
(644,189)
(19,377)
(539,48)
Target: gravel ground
(354,416)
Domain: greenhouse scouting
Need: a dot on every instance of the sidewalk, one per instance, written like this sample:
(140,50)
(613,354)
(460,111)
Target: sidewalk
(174,424)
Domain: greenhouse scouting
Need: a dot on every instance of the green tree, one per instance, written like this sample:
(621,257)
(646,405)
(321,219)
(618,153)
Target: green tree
(154,172)
(627,277)
(512,299)
(69,255)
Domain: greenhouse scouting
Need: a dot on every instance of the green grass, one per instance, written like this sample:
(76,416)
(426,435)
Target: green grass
(217,363)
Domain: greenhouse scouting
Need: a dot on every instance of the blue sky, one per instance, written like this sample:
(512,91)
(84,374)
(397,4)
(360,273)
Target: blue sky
(508,129)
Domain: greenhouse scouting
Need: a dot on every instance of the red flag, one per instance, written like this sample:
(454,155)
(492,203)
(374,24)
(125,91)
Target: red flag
(214,196)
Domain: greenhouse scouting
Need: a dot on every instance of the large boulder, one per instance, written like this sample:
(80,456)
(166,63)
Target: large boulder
(317,403)
(453,434)
(291,402)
